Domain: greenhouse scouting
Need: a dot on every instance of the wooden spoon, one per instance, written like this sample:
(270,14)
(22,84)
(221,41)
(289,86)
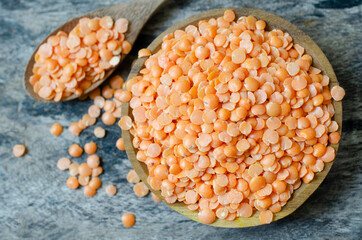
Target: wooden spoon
(136,12)
(319,60)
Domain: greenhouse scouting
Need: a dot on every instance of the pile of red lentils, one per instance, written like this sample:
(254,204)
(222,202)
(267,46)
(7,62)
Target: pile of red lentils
(228,117)
(231,118)
(86,174)
(70,63)
(109,99)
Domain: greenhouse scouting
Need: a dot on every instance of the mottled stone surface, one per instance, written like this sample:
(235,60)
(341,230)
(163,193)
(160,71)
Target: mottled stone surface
(35,202)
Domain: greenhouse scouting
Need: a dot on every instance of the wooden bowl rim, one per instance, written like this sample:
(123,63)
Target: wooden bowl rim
(319,60)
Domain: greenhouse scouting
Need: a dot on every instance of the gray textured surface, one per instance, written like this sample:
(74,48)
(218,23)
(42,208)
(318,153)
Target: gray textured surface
(34,200)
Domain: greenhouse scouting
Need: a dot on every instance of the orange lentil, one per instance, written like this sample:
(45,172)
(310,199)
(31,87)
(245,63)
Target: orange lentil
(230,118)
(111,190)
(337,93)
(132,177)
(140,189)
(74,169)
(108,118)
(83,181)
(123,96)
(128,219)
(72,183)
(84,170)
(97,171)
(266,216)
(75,150)
(116,82)
(144,52)
(95,183)
(75,129)
(63,163)
(78,57)
(93,161)
(90,148)
(120,144)
(99,132)
(19,150)
(56,129)
(89,191)
(207,216)
(334,137)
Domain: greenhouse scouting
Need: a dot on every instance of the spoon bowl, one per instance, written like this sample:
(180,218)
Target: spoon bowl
(319,61)
(136,12)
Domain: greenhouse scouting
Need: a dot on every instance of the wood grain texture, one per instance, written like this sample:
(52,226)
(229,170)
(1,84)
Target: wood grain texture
(319,61)
(137,12)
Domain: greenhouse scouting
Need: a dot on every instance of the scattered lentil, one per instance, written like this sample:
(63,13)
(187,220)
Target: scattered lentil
(72,182)
(64,163)
(99,132)
(128,219)
(56,129)
(111,190)
(74,169)
(75,150)
(120,144)
(19,150)
(84,170)
(95,183)
(140,189)
(93,161)
(132,177)
(144,52)
(90,148)
(89,191)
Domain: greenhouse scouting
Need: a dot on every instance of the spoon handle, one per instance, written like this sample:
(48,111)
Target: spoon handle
(140,12)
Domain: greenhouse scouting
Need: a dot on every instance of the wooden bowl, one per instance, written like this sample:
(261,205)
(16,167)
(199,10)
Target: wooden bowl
(319,61)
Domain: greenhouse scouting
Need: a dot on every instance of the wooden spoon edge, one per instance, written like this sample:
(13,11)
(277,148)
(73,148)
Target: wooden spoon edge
(319,60)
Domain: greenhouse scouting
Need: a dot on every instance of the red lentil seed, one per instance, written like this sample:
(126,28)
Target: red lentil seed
(95,183)
(128,220)
(83,181)
(56,129)
(19,150)
(144,52)
(90,148)
(226,129)
(337,93)
(74,169)
(108,118)
(93,161)
(99,132)
(111,190)
(120,144)
(64,163)
(84,170)
(72,183)
(140,189)
(97,171)
(75,150)
(94,53)
(75,129)
(132,177)
(89,191)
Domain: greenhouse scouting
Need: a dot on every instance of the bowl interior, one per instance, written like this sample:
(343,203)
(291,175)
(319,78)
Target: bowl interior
(319,61)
